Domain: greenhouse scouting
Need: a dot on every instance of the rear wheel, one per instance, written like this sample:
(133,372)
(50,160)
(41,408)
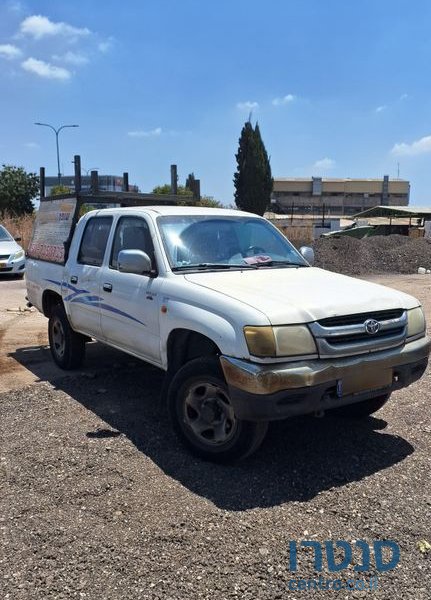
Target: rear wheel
(361,409)
(67,346)
(203,416)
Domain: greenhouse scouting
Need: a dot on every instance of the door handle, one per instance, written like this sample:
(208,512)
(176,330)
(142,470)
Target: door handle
(107,287)
(74,279)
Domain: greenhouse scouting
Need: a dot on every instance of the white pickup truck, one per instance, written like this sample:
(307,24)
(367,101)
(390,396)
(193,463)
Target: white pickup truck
(246,330)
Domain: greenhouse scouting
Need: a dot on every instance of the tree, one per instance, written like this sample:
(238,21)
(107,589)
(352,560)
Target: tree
(187,196)
(252,179)
(208,201)
(166,189)
(17,189)
(57,190)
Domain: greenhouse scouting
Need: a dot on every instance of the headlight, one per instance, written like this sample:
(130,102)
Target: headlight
(17,255)
(287,340)
(415,322)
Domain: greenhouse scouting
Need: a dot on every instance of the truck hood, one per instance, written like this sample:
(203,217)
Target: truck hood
(302,295)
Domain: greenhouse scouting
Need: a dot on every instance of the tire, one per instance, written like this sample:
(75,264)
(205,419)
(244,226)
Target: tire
(361,409)
(67,346)
(200,410)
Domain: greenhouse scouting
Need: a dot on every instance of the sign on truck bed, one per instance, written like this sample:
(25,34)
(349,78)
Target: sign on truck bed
(52,230)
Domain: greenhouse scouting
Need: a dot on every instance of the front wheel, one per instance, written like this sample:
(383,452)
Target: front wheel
(67,346)
(361,409)
(203,416)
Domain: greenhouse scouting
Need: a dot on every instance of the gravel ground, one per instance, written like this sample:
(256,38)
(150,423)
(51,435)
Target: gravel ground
(99,500)
(378,254)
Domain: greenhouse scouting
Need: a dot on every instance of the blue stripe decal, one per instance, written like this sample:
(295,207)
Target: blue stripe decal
(95,301)
(76,291)
(91,300)
(53,281)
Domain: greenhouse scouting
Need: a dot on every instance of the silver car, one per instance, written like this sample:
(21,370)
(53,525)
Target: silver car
(12,256)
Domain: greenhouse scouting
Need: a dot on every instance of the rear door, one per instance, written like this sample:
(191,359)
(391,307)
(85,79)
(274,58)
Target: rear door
(129,310)
(82,275)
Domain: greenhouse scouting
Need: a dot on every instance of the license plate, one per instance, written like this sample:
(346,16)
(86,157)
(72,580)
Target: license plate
(367,380)
(3,265)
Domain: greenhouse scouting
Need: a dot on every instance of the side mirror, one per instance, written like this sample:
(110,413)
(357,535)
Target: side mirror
(134,261)
(308,254)
(17,239)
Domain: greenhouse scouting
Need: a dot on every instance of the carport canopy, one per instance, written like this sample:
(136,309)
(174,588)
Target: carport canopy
(417,212)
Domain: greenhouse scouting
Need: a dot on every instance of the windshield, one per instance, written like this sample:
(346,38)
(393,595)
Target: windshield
(5,236)
(199,242)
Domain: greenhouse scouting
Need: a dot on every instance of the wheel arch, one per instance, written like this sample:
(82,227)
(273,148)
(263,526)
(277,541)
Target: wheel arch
(183,345)
(49,300)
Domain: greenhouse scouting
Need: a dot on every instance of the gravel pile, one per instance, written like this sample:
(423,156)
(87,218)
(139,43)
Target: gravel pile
(378,254)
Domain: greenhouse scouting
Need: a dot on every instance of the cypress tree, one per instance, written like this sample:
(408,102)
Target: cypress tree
(252,179)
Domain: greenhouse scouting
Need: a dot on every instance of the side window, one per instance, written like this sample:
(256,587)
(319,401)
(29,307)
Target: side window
(93,243)
(132,233)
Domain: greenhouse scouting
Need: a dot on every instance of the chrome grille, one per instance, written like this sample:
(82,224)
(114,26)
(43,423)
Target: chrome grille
(378,315)
(347,335)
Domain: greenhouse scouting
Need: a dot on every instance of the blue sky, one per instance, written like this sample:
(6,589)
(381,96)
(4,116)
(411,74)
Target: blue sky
(340,87)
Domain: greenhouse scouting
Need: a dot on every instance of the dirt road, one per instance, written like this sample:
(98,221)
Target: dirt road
(24,351)
(98,499)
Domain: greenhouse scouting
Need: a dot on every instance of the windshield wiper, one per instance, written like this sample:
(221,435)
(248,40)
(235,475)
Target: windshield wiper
(204,266)
(283,263)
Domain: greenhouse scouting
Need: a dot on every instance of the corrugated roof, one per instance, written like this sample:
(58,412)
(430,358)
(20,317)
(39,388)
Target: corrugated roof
(337,179)
(394,211)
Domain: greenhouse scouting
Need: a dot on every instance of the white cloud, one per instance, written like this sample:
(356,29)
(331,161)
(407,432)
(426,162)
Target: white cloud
(39,27)
(421,146)
(381,108)
(141,133)
(284,100)
(44,69)
(248,105)
(10,52)
(106,45)
(72,58)
(31,145)
(404,97)
(324,164)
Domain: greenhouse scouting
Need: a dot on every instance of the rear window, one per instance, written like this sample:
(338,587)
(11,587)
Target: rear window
(93,243)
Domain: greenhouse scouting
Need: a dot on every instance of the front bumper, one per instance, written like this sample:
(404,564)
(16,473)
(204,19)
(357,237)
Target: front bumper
(267,392)
(12,267)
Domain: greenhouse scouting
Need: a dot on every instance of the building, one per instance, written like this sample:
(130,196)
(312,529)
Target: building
(317,195)
(107,183)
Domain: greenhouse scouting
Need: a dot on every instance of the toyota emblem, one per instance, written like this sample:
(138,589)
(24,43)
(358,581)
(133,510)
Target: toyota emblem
(372,326)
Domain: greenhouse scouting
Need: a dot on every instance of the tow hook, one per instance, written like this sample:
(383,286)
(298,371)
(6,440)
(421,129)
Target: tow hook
(319,414)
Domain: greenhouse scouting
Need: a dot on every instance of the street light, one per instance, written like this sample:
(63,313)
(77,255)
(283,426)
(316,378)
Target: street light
(57,131)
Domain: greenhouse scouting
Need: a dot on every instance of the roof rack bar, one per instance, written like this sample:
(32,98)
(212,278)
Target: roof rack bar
(42,182)
(94,185)
(77,163)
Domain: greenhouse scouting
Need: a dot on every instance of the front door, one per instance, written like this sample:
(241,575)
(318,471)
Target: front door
(129,309)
